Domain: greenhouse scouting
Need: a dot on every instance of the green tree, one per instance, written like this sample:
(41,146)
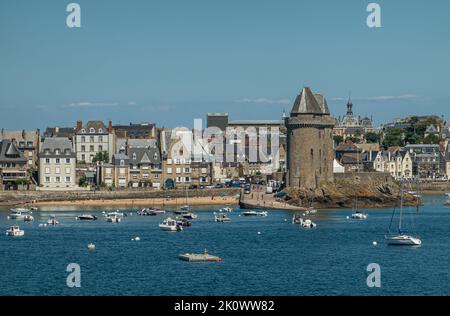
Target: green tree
(82,182)
(431,139)
(102,156)
(338,139)
(394,137)
(372,137)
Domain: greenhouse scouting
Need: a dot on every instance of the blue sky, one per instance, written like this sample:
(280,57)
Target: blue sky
(172,61)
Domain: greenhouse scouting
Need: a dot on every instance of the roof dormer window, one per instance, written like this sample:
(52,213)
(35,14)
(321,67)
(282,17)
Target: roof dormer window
(100,130)
(92,130)
(134,155)
(83,131)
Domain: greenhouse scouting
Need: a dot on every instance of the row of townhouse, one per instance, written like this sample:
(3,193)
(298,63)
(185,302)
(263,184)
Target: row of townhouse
(418,160)
(18,158)
(137,155)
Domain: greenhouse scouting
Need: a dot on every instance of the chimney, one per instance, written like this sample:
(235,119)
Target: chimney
(79,126)
(110,128)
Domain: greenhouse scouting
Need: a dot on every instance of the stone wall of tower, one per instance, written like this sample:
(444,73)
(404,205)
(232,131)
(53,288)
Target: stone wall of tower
(310,150)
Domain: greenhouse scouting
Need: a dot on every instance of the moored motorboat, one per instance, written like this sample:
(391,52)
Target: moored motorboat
(28,218)
(308,224)
(14,231)
(87,217)
(19,213)
(52,221)
(170,224)
(297,219)
(255,213)
(359,215)
(157,211)
(221,218)
(311,212)
(116,213)
(113,219)
(226,209)
(190,216)
(181,212)
(184,222)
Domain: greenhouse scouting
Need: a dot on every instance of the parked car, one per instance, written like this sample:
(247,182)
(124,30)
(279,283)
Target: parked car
(280,195)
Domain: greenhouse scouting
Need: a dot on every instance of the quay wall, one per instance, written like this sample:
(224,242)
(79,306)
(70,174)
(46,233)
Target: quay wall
(25,197)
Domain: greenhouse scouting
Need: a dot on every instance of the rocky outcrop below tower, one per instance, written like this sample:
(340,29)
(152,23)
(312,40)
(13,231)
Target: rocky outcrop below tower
(372,190)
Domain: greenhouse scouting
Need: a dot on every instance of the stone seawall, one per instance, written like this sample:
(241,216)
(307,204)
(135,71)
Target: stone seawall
(24,197)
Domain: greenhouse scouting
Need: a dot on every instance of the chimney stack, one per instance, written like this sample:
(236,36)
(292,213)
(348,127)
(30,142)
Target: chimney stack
(79,126)
(110,128)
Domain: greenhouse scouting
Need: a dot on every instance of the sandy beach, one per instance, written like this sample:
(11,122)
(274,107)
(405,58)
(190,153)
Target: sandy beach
(161,202)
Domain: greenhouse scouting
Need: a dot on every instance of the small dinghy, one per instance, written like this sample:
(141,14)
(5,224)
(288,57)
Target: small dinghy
(254,213)
(87,217)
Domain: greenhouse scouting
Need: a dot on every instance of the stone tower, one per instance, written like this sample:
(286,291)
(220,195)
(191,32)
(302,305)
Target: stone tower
(310,152)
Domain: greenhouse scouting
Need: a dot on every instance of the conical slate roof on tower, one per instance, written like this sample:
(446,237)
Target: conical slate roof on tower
(306,103)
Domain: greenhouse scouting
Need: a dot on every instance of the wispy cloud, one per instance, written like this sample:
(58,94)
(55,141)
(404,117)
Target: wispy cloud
(90,105)
(381,98)
(263,101)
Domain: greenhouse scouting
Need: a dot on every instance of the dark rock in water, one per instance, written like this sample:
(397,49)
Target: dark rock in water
(371,190)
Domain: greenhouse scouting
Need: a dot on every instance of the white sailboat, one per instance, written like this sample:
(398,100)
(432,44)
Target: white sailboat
(356,213)
(402,238)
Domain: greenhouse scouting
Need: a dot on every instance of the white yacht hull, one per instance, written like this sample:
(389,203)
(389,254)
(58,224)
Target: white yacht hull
(403,240)
(169,228)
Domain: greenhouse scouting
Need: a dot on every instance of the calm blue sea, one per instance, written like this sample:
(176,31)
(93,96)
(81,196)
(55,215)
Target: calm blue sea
(282,260)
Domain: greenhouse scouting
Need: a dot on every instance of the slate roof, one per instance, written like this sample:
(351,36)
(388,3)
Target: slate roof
(98,126)
(116,158)
(63,144)
(59,132)
(322,103)
(143,130)
(144,156)
(10,153)
(27,136)
(121,143)
(306,103)
(431,130)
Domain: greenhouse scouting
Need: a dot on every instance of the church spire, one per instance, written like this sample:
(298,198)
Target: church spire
(349,104)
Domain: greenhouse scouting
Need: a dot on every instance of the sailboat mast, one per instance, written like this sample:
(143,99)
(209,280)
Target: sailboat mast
(401,206)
